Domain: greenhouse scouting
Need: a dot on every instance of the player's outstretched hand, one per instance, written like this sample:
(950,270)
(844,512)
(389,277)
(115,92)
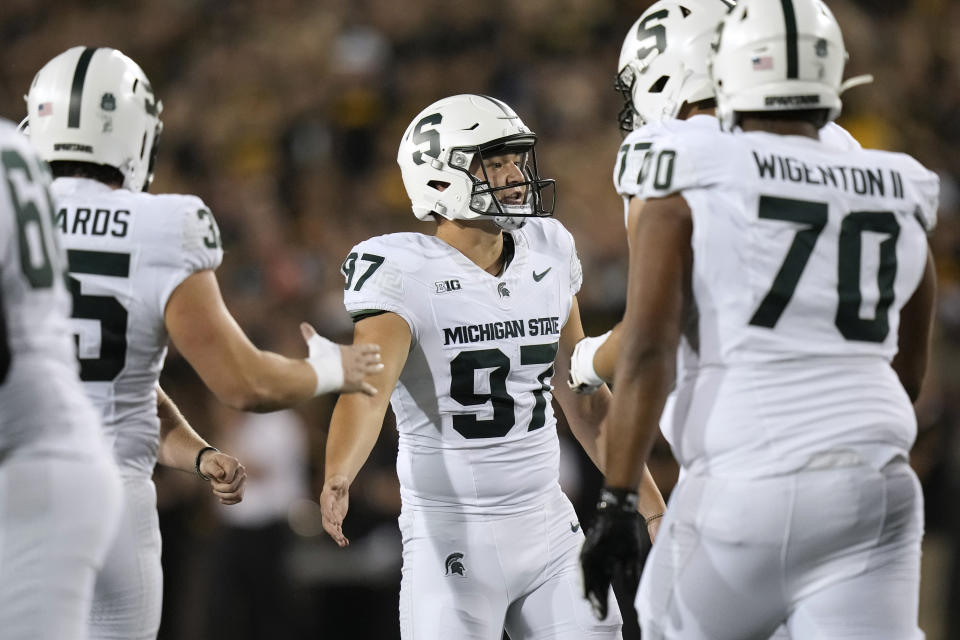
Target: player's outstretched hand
(612,546)
(359,361)
(227,476)
(334,502)
(342,368)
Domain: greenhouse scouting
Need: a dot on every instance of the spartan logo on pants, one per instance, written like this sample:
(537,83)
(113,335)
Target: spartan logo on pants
(454,566)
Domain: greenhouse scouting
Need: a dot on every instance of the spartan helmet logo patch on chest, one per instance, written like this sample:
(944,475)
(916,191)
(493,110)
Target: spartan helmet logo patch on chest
(502,290)
(454,565)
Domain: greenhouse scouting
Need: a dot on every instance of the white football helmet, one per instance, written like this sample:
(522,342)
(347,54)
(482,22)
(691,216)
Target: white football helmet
(663,60)
(438,150)
(779,56)
(96,105)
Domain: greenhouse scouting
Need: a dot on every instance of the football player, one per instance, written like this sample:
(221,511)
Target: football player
(810,270)
(471,321)
(141,271)
(59,486)
(666,87)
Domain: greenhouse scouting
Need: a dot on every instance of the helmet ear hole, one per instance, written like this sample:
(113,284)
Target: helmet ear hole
(439,185)
(658,86)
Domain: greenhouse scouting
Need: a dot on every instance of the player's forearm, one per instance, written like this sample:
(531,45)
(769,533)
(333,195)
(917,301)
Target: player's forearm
(585,415)
(650,502)
(585,418)
(354,429)
(179,443)
(645,376)
(262,381)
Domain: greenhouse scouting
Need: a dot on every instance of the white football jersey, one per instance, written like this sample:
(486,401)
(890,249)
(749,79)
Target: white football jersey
(42,405)
(127,252)
(633,159)
(473,403)
(803,257)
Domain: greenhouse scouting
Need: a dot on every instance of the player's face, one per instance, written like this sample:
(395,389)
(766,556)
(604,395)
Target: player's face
(503,170)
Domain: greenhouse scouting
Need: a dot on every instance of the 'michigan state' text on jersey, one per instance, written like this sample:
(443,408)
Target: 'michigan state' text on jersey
(473,403)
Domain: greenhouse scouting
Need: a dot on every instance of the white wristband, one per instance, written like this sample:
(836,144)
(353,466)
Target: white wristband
(582,373)
(326,362)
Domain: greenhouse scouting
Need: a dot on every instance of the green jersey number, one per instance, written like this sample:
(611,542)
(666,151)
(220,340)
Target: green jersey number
(349,268)
(463,373)
(813,218)
(106,310)
(33,237)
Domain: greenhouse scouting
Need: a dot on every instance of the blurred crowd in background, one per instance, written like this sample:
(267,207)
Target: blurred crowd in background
(285,117)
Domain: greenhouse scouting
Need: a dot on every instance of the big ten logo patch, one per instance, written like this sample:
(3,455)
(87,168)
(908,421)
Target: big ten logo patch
(447,285)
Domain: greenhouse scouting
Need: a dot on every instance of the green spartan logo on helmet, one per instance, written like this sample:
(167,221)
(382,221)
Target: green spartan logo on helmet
(454,566)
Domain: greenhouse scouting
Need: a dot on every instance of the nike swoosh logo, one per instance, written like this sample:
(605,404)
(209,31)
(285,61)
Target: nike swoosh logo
(574,526)
(537,277)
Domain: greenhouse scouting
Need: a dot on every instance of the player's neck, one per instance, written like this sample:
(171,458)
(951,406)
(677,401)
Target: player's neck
(697,109)
(781,127)
(481,242)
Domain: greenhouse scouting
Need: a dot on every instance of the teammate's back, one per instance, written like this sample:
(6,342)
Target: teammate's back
(128,251)
(804,256)
(850,226)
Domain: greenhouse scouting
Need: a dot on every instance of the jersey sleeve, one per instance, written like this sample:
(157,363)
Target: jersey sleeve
(373,281)
(576,269)
(188,243)
(925,185)
(680,162)
(630,160)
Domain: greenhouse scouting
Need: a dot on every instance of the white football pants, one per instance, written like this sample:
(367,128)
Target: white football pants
(57,519)
(471,577)
(129,589)
(834,553)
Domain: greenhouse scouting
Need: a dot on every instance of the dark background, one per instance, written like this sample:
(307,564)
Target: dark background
(285,116)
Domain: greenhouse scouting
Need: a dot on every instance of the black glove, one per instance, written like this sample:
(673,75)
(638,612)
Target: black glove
(612,545)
